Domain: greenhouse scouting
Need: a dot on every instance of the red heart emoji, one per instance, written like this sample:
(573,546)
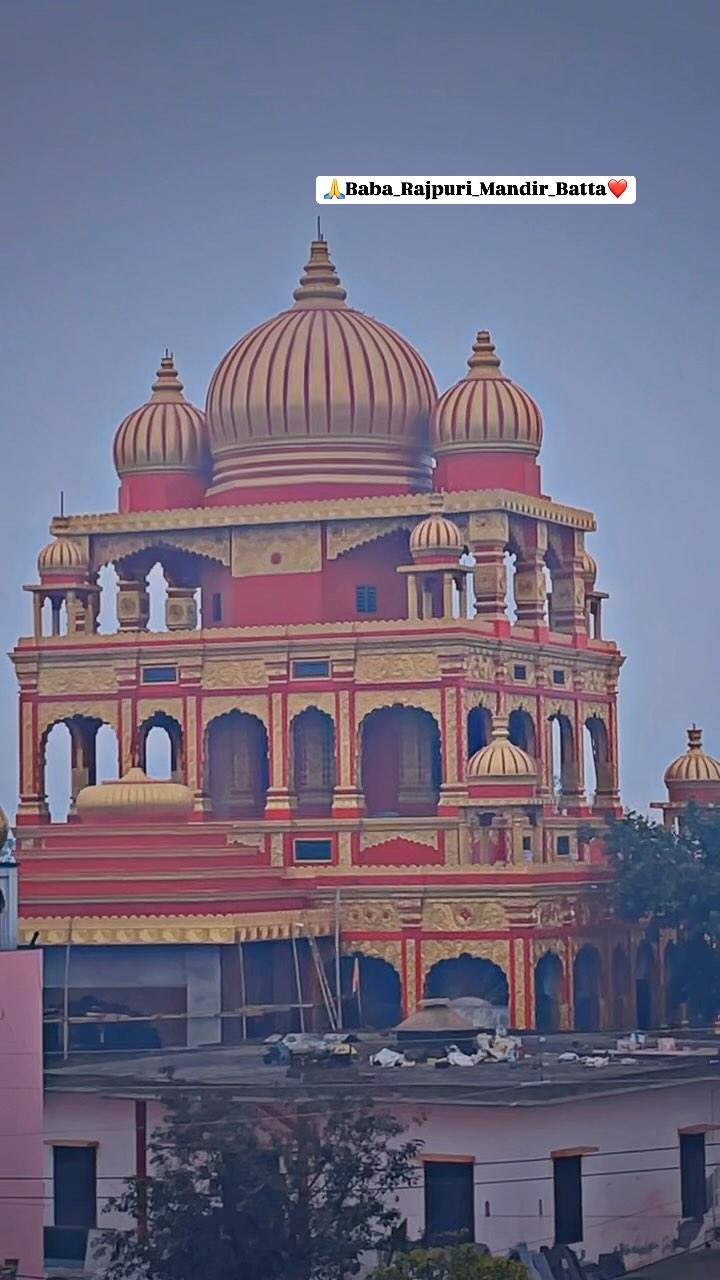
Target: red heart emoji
(617,186)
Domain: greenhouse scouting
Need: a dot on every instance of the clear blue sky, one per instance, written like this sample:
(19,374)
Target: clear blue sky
(158,189)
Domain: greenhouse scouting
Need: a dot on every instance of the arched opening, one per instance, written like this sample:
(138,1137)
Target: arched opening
(564,760)
(600,754)
(479,729)
(622,1011)
(548,992)
(157,585)
(108,611)
(521,730)
(107,754)
(468,976)
(400,762)
(510,566)
(237,765)
(587,970)
(160,747)
(313,762)
(645,987)
(57,770)
(371,992)
(547,578)
(468,561)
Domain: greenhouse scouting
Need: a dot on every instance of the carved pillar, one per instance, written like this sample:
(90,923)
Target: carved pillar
(490,580)
(133,606)
(348,800)
(569,598)
(279,800)
(530,589)
(37,614)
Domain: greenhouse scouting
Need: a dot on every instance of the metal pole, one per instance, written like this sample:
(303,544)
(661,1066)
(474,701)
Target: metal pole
(243,990)
(66,995)
(338,974)
(298,983)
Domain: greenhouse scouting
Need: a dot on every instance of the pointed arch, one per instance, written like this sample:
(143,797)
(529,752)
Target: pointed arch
(479,728)
(549,977)
(521,730)
(312,752)
(237,765)
(160,747)
(400,762)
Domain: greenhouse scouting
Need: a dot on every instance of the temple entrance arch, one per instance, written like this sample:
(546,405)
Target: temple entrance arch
(468,975)
(237,765)
(371,991)
(400,762)
(587,972)
(620,980)
(548,992)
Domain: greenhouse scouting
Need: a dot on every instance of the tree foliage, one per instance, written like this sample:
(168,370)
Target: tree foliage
(240,1192)
(462,1262)
(671,879)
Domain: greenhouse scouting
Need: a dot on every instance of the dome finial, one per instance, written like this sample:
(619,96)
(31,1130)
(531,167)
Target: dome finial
(167,385)
(483,363)
(320,284)
(694,736)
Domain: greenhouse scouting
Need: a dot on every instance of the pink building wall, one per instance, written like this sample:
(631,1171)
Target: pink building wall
(21,1110)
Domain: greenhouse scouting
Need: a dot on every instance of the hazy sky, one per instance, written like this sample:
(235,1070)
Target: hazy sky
(158,189)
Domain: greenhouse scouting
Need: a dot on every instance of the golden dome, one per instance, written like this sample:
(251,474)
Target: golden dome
(321,394)
(485,410)
(501,758)
(436,534)
(62,558)
(695,765)
(589,567)
(164,434)
(135,797)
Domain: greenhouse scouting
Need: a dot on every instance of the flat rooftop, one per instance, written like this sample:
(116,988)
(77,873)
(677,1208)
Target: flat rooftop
(539,1079)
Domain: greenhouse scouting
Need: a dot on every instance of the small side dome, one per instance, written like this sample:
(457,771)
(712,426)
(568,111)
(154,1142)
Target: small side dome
(501,759)
(589,568)
(695,766)
(486,430)
(63,559)
(436,535)
(134,798)
(160,449)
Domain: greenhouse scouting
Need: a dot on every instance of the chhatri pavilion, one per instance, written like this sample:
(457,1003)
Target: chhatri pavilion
(381,694)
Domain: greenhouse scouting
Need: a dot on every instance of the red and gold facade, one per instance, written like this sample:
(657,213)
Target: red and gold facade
(359,708)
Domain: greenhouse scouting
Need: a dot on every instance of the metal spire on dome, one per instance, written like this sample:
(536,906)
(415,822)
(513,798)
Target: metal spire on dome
(694,736)
(320,284)
(167,385)
(483,363)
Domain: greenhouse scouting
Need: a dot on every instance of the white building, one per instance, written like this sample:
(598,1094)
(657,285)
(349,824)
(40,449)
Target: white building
(619,1159)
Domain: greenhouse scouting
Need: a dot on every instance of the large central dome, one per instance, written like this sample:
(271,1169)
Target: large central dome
(320,400)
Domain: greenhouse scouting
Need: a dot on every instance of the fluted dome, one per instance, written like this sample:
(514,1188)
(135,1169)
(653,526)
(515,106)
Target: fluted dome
(589,568)
(436,535)
(134,798)
(501,759)
(486,430)
(695,766)
(63,558)
(320,399)
(165,437)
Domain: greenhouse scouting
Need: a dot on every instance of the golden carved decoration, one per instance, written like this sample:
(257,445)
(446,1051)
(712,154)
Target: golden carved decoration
(254,704)
(192,772)
(233,673)
(356,533)
(344,849)
(50,713)
(277,858)
(324,701)
(276,549)
(548,946)
(211,545)
(123,930)
(520,702)
(370,915)
(519,993)
(558,911)
(412,665)
(278,737)
(479,666)
(382,948)
(560,707)
(491,526)
(495,949)
(172,707)
(598,710)
(373,700)
(85,678)
(464,915)
(27,782)
(425,836)
(344,733)
(596,680)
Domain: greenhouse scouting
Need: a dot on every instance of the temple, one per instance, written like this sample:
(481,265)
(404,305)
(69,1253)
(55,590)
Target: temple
(376,716)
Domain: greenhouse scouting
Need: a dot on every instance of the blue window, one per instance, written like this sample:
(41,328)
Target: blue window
(159,675)
(313,850)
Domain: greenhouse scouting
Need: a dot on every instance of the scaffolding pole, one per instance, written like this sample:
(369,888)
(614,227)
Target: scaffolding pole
(243,992)
(298,982)
(66,995)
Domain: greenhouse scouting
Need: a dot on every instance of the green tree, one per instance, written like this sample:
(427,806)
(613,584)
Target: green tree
(240,1192)
(671,879)
(462,1262)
